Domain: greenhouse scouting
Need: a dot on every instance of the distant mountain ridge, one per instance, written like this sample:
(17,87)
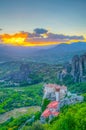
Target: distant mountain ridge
(62,52)
(69,47)
(52,54)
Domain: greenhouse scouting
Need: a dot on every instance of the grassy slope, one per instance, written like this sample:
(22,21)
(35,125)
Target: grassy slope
(11,98)
(17,112)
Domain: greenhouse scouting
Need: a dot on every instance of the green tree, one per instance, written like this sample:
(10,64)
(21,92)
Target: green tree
(45,103)
(81,119)
(37,126)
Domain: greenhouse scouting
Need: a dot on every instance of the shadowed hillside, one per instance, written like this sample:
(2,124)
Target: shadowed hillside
(52,54)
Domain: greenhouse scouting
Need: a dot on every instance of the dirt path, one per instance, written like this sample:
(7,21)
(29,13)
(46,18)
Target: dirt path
(18,112)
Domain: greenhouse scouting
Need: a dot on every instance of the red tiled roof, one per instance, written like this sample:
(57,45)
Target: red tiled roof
(53,104)
(55,113)
(46,113)
(52,85)
(57,87)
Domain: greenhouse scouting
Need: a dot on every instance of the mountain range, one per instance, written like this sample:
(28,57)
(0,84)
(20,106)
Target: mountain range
(47,54)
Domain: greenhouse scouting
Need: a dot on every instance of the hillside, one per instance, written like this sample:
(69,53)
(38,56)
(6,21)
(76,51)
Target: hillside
(70,118)
(61,53)
(51,55)
(24,73)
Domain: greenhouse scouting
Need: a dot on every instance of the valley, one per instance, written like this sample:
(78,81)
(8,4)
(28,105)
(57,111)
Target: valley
(54,54)
(17,97)
(22,89)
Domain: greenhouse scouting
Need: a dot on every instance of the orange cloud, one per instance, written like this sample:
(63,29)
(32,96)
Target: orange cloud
(14,39)
(40,37)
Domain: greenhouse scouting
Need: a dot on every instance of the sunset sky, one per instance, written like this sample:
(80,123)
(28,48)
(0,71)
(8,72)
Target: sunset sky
(42,22)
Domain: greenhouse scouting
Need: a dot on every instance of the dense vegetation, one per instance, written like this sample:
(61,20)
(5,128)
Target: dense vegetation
(45,102)
(37,72)
(78,87)
(11,98)
(74,87)
(71,118)
(16,123)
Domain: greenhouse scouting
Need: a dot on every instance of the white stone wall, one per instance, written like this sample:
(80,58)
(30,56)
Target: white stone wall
(57,96)
(51,90)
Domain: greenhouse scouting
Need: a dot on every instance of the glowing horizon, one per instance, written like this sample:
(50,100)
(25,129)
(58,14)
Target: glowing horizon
(60,20)
(39,37)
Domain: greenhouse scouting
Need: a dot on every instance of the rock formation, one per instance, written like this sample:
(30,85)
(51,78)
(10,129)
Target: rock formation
(77,69)
(19,76)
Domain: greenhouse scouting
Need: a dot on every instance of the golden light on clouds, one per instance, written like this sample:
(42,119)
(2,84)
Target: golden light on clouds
(44,35)
(34,39)
(14,39)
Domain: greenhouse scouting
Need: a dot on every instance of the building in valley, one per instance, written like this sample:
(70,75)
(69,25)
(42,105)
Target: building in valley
(59,97)
(54,92)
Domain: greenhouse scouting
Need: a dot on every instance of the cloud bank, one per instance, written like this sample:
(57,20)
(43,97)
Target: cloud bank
(39,37)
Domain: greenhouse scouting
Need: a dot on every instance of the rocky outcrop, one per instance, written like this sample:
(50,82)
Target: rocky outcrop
(20,76)
(77,69)
(73,99)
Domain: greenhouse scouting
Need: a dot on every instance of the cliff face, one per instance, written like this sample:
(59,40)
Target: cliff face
(20,76)
(77,69)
